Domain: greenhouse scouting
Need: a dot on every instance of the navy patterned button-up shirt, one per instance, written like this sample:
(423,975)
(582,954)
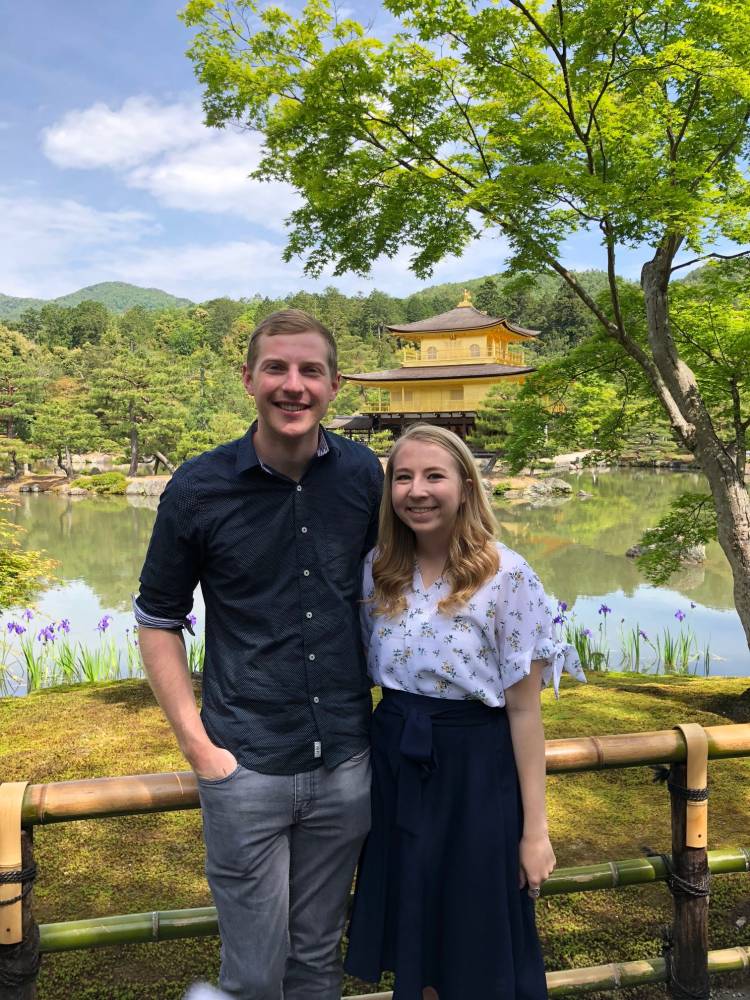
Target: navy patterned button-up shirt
(285,687)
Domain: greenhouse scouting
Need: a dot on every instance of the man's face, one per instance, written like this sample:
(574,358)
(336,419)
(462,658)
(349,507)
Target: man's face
(291,383)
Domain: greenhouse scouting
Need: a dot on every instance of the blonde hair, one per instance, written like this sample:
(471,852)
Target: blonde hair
(472,556)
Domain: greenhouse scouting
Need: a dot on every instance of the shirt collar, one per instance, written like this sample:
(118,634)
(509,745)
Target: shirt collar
(247,456)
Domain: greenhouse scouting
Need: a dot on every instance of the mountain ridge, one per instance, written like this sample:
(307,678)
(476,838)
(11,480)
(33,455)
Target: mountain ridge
(117,296)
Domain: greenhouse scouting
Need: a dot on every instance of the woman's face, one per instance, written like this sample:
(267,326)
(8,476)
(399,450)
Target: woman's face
(426,489)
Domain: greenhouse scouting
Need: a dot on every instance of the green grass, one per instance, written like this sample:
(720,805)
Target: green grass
(100,867)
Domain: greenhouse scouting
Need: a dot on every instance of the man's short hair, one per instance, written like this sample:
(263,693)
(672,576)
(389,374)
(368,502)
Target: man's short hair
(290,321)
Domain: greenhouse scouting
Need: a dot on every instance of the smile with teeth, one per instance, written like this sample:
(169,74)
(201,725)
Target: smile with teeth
(292,407)
(421,510)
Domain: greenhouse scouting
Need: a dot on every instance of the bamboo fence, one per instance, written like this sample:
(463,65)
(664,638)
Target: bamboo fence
(99,797)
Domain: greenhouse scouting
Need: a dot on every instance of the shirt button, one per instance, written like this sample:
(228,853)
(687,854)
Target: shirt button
(299,488)
(316,699)
(308,614)
(311,656)
(305,572)
(303,530)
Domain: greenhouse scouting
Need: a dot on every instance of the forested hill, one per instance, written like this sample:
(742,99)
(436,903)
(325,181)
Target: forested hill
(116,296)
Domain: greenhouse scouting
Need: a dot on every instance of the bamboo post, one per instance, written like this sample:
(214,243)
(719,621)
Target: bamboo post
(687,952)
(19,963)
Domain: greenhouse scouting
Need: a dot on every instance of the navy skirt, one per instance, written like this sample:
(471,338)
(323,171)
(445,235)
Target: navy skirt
(437,899)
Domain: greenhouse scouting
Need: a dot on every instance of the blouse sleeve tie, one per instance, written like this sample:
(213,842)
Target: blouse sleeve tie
(559,658)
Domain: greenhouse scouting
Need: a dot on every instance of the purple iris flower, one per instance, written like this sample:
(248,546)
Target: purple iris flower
(642,634)
(104,623)
(588,633)
(47,634)
(558,620)
(16,627)
(192,619)
(562,605)
(28,614)
(679,614)
(64,624)
(604,610)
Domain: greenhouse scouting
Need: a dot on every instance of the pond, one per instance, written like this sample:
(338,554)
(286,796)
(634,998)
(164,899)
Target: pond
(577,546)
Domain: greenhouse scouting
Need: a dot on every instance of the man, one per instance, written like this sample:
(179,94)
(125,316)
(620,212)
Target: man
(274,527)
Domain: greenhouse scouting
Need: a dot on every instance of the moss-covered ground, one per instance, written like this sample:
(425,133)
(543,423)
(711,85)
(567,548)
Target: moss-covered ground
(111,866)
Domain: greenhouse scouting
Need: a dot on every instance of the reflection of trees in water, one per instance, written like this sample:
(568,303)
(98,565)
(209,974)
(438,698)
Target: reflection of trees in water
(578,547)
(101,541)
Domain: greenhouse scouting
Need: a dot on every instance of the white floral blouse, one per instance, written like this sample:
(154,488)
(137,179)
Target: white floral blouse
(474,652)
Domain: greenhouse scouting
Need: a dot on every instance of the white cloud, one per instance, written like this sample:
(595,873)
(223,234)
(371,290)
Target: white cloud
(45,242)
(142,128)
(212,176)
(166,150)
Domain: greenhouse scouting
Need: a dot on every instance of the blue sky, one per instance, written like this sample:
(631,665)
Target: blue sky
(108,174)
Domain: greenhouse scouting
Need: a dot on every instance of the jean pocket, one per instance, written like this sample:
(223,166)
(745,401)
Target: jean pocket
(219,781)
(358,756)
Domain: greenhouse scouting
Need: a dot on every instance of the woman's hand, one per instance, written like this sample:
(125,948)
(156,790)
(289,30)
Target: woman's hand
(536,862)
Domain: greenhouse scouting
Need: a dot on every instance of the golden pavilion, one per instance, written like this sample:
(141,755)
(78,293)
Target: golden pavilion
(458,356)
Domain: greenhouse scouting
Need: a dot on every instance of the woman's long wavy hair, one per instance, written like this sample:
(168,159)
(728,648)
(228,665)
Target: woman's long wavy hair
(472,557)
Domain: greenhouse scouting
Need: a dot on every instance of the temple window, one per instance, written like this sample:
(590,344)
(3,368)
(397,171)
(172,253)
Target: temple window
(432,353)
(456,393)
(474,351)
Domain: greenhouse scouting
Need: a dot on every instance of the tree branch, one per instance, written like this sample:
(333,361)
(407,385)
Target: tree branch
(709,256)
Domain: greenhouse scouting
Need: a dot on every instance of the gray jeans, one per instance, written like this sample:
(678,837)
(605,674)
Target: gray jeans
(280,857)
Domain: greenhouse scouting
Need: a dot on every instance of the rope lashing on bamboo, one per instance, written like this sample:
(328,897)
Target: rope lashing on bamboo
(24,877)
(677,989)
(678,886)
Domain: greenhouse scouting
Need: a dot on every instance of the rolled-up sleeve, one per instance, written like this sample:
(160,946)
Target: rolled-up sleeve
(171,570)
(525,631)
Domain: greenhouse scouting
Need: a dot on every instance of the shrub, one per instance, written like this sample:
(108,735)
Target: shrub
(500,489)
(105,483)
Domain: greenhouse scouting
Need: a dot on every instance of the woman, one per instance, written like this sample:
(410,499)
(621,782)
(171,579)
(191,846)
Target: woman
(458,633)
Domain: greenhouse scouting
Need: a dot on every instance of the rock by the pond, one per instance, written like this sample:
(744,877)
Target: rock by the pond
(548,487)
(583,495)
(692,556)
(77,491)
(151,487)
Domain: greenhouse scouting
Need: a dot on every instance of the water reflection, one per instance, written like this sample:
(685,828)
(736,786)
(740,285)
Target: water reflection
(577,547)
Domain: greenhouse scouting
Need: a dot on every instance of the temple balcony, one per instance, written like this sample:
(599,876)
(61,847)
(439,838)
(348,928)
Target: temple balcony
(497,354)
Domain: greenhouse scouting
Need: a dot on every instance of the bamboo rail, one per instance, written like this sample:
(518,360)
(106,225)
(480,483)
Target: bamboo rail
(169,925)
(90,798)
(619,975)
(99,797)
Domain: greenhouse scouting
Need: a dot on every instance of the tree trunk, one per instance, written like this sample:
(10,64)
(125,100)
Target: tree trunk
(68,462)
(133,470)
(695,430)
(161,457)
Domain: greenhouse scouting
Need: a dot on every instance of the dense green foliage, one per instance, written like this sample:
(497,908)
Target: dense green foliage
(165,384)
